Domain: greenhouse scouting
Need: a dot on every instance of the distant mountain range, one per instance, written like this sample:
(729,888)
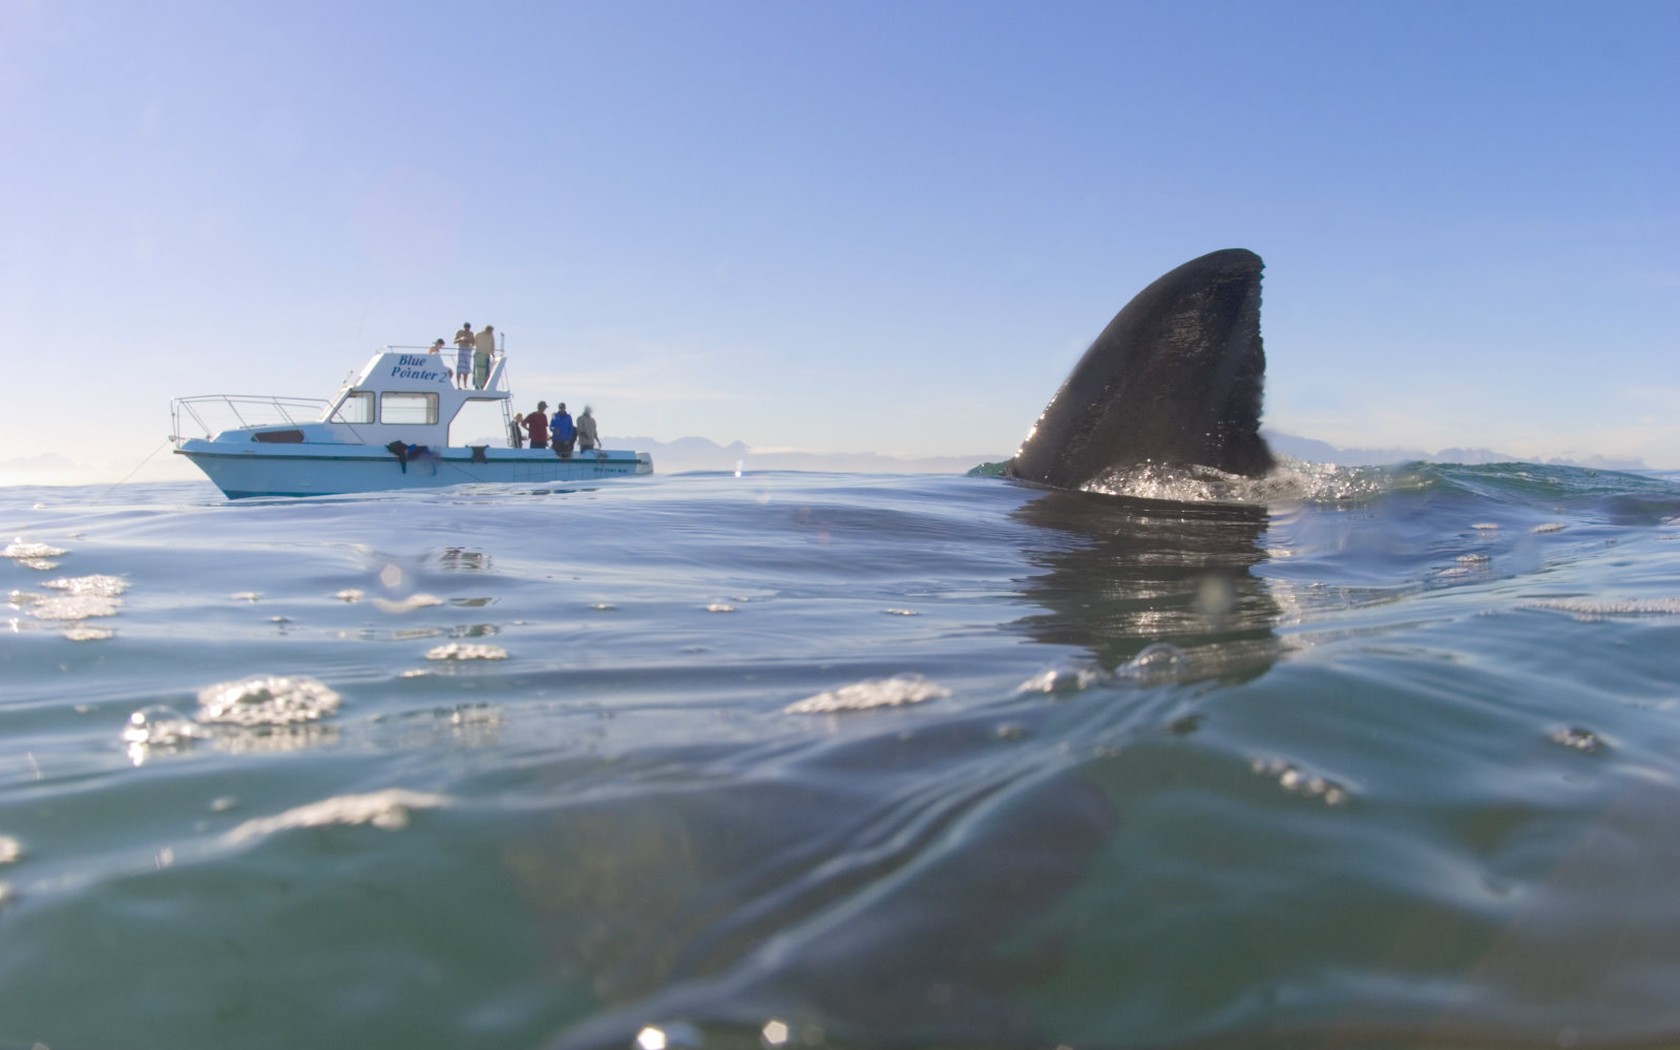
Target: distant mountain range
(1321,452)
(697,453)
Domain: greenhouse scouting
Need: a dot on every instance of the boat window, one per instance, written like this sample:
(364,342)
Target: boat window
(408,408)
(357,407)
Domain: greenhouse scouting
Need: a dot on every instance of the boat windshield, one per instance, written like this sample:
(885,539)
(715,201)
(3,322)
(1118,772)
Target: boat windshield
(356,407)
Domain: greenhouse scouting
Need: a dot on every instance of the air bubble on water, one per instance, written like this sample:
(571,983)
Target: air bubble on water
(901,612)
(99,585)
(1298,781)
(408,604)
(1059,680)
(1160,661)
(720,607)
(246,596)
(267,700)
(161,726)
(349,595)
(872,693)
(1579,738)
(81,598)
(466,651)
(74,607)
(23,550)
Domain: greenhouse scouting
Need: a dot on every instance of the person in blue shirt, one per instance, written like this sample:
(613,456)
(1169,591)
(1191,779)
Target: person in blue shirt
(565,433)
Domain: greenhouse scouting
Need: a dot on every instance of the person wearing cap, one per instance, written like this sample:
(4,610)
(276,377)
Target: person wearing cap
(464,355)
(484,345)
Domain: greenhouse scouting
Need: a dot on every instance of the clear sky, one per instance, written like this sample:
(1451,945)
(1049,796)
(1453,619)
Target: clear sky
(843,226)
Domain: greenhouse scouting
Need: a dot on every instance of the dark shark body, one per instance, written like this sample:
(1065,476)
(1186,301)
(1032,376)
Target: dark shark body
(1175,379)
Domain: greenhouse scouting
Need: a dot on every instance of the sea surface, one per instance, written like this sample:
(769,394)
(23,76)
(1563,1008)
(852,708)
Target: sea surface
(1361,758)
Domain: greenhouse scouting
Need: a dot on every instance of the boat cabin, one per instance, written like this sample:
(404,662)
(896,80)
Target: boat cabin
(402,394)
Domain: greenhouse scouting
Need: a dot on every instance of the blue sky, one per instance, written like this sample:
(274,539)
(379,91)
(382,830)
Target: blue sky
(843,226)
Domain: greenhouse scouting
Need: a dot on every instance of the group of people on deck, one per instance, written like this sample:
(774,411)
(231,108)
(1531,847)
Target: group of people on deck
(561,432)
(473,351)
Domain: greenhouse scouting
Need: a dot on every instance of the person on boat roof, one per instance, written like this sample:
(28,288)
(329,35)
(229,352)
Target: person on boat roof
(463,355)
(587,438)
(484,345)
(536,424)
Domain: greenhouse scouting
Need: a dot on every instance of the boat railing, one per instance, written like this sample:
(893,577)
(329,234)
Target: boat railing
(214,413)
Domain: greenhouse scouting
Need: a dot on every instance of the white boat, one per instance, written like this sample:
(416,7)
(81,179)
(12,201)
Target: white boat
(387,428)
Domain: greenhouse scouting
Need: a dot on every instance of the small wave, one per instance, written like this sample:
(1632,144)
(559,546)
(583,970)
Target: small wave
(873,693)
(388,810)
(1293,480)
(1584,609)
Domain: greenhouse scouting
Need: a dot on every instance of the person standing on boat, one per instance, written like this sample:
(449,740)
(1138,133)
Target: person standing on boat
(536,424)
(565,434)
(437,348)
(587,439)
(464,355)
(516,431)
(484,345)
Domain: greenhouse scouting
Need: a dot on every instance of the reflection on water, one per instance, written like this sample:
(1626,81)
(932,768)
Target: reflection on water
(1133,573)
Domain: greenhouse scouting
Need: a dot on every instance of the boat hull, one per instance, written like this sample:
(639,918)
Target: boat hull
(249,470)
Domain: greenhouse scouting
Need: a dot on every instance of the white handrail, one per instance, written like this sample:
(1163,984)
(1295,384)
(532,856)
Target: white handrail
(247,410)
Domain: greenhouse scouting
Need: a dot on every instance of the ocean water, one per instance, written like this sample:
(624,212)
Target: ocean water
(1350,758)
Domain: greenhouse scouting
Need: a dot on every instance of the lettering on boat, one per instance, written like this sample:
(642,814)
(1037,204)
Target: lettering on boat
(416,366)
